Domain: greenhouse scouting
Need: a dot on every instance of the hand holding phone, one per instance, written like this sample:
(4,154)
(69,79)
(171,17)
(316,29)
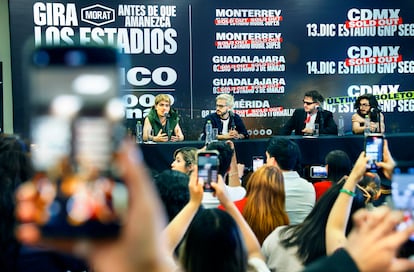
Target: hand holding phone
(208,163)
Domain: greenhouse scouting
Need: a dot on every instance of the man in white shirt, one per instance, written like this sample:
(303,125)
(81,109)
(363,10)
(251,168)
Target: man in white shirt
(300,193)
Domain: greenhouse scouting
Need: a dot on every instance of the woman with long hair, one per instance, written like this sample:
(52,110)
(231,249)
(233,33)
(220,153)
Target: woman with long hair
(264,209)
(293,247)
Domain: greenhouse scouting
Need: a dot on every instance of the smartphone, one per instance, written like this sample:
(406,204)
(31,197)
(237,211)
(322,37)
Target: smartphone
(75,127)
(208,164)
(374,144)
(318,172)
(258,162)
(402,193)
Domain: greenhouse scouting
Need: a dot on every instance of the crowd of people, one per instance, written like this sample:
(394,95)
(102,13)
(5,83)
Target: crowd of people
(274,222)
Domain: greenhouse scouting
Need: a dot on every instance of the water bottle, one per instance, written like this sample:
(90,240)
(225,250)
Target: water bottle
(341,126)
(209,132)
(139,132)
(367,129)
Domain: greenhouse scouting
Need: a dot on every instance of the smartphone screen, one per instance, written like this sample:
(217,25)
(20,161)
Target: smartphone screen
(318,172)
(208,162)
(373,150)
(75,128)
(258,162)
(403,199)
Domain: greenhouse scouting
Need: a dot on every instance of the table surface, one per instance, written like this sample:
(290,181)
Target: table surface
(159,156)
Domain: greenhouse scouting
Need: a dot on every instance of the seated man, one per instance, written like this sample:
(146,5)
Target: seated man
(229,124)
(303,120)
(162,122)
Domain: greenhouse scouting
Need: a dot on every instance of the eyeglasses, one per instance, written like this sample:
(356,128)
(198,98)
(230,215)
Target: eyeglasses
(364,105)
(308,103)
(220,106)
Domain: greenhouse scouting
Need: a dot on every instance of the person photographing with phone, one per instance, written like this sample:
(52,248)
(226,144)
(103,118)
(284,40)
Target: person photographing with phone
(162,122)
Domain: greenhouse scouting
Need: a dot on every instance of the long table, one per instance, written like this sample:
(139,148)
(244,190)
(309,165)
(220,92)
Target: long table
(159,156)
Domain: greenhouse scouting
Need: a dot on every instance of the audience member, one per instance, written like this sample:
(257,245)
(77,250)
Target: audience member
(304,120)
(16,168)
(264,207)
(292,247)
(372,245)
(185,158)
(339,214)
(264,204)
(338,164)
(229,124)
(300,194)
(172,187)
(163,122)
(228,169)
(367,104)
(213,240)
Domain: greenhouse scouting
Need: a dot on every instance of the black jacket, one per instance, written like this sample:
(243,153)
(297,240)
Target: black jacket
(324,118)
(235,121)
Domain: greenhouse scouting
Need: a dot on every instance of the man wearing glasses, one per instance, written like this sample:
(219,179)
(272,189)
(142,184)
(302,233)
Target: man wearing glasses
(229,124)
(303,120)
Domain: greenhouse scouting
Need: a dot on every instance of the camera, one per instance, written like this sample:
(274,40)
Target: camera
(402,193)
(208,163)
(257,162)
(75,127)
(374,144)
(318,172)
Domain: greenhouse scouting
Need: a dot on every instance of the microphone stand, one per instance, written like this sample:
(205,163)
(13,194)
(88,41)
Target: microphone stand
(378,115)
(321,121)
(379,120)
(167,115)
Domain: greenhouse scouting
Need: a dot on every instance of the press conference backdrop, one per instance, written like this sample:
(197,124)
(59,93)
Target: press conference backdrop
(265,53)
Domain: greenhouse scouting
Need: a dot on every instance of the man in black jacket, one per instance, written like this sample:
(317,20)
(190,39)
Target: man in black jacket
(303,120)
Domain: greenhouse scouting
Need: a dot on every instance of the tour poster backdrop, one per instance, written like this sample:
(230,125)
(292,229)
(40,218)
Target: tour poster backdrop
(265,53)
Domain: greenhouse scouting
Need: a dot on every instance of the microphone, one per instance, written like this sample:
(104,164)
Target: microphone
(233,125)
(318,108)
(375,110)
(376,116)
(166,114)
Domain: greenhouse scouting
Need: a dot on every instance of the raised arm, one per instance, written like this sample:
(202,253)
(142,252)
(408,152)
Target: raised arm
(339,214)
(234,179)
(252,244)
(176,229)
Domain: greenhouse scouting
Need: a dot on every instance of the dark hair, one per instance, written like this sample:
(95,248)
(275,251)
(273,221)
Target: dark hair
(213,243)
(339,165)
(316,96)
(225,154)
(309,236)
(285,151)
(373,103)
(172,188)
(15,168)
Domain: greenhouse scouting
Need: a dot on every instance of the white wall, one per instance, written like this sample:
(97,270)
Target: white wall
(5,58)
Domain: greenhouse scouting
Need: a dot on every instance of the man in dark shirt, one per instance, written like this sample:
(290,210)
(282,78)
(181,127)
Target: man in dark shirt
(303,120)
(229,124)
